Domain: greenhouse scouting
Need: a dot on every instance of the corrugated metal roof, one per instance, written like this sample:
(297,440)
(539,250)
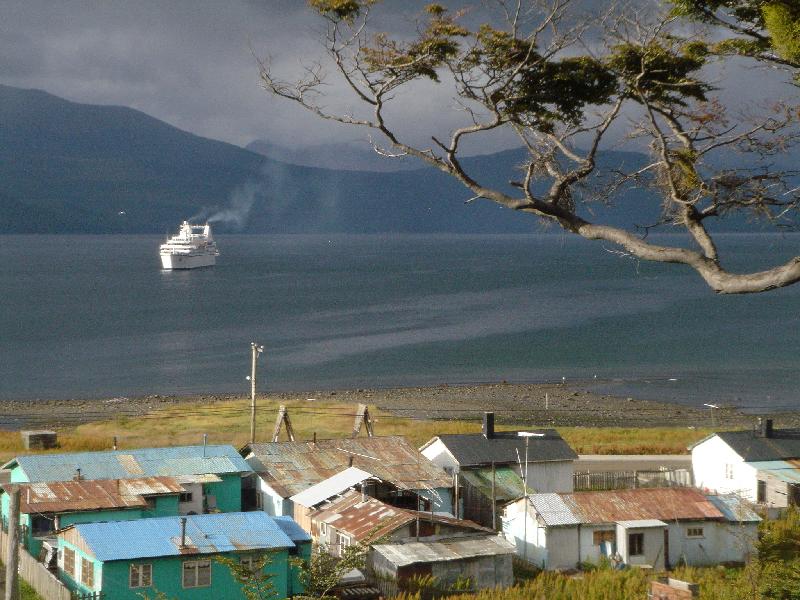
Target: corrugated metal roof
(127,464)
(292,529)
(291,467)
(370,518)
(734,508)
(205,534)
(663,504)
(553,510)
(785,470)
(507,484)
(642,524)
(72,496)
(446,550)
(330,487)
(506,447)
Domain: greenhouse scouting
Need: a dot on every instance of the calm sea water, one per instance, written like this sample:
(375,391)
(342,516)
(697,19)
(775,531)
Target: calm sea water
(94,316)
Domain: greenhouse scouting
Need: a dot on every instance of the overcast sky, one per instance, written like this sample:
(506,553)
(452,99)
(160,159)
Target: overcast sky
(189,62)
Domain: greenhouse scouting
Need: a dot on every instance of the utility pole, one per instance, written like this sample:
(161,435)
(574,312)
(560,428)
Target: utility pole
(255,350)
(12,569)
(527,435)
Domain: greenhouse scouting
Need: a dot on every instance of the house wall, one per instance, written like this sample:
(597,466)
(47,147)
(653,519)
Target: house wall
(442,499)
(437,453)
(272,502)
(777,490)
(484,572)
(709,460)
(546,547)
(195,506)
(721,542)
(112,577)
(553,476)
(225,495)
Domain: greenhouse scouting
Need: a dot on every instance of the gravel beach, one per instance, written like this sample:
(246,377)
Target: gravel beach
(540,404)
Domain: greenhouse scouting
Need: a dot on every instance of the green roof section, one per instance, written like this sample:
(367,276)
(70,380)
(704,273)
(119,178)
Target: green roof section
(507,484)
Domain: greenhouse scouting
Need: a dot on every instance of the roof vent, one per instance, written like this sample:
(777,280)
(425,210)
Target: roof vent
(765,428)
(78,476)
(488,425)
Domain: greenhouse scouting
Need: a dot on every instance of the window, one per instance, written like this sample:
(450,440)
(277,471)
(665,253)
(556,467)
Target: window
(247,563)
(323,529)
(606,535)
(185,497)
(344,541)
(151,503)
(197,573)
(694,532)
(635,544)
(141,575)
(761,491)
(69,562)
(87,573)
(728,471)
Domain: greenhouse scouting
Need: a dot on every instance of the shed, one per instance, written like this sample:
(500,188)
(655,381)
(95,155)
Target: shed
(478,562)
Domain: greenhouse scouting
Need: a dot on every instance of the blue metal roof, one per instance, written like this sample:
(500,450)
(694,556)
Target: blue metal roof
(125,464)
(292,528)
(734,508)
(788,471)
(205,534)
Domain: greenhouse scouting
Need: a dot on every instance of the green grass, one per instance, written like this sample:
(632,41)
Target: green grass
(228,422)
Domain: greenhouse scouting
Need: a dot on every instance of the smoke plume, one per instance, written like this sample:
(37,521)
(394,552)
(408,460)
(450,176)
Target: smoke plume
(238,210)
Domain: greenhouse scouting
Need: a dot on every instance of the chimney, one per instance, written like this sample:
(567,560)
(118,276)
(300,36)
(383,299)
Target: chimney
(488,425)
(764,427)
(183,532)
(78,474)
(350,462)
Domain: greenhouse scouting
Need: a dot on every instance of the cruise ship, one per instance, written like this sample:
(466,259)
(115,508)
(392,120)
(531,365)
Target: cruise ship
(193,247)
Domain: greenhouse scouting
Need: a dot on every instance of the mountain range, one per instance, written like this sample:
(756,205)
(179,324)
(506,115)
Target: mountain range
(67,167)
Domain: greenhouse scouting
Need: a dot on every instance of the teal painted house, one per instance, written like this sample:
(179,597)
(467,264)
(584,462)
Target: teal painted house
(177,555)
(47,507)
(210,475)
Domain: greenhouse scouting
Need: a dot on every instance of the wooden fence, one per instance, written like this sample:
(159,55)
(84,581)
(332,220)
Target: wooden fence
(36,574)
(623,480)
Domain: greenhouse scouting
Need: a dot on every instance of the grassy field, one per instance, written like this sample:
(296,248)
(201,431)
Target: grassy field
(228,422)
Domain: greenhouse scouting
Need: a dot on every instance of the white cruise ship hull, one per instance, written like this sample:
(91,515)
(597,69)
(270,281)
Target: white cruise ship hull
(187,261)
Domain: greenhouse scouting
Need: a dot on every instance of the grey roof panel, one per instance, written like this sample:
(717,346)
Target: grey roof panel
(505,447)
(784,443)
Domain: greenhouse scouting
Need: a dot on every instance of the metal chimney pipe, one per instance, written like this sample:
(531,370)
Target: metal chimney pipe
(183,532)
(488,425)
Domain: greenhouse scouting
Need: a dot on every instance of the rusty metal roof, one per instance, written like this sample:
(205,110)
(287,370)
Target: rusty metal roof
(411,553)
(99,494)
(370,519)
(664,504)
(291,467)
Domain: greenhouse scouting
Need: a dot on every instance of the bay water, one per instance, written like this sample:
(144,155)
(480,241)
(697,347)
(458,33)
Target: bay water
(95,316)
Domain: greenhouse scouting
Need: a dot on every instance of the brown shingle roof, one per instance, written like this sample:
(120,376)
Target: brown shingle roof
(291,467)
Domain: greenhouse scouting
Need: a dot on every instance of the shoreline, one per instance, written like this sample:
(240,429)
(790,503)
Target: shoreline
(542,404)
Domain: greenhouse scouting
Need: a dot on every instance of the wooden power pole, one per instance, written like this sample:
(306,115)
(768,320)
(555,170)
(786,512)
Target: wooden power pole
(12,564)
(255,350)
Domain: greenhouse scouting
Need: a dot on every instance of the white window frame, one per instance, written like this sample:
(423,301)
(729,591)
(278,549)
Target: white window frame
(640,535)
(344,541)
(138,570)
(729,474)
(195,566)
(247,562)
(323,529)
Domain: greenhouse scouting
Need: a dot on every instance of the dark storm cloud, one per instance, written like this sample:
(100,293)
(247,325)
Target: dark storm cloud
(191,62)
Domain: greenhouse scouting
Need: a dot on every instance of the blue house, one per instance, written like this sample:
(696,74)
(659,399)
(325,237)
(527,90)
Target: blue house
(210,475)
(177,555)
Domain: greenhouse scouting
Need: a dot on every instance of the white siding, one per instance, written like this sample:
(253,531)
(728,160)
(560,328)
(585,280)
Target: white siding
(437,453)
(719,469)
(555,476)
(653,546)
(272,502)
(721,542)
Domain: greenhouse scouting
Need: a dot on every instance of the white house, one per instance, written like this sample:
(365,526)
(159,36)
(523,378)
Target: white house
(759,465)
(653,527)
(499,457)
(405,477)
